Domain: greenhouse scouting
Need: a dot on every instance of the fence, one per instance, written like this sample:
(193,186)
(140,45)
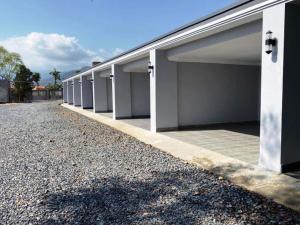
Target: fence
(46,95)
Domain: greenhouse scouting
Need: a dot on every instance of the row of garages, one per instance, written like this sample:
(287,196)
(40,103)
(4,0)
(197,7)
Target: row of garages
(215,72)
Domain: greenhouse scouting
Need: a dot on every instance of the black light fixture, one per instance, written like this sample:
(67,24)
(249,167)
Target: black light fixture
(111,76)
(91,80)
(270,42)
(150,67)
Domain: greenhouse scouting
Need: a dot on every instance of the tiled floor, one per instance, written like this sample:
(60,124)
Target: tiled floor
(107,114)
(141,123)
(239,141)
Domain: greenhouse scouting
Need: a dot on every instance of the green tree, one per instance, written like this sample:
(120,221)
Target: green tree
(54,87)
(23,82)
(36,77)
(9,64)
(56,75)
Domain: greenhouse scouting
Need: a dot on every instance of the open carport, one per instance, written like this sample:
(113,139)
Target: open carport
(218,91)
(132,93)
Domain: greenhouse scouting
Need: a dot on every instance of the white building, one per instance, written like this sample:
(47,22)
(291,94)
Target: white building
(237,65)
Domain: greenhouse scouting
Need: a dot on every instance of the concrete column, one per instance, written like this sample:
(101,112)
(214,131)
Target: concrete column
(163,92)
(100,93)
(86,93)
(280,91)
(65,92)
(77,92)
(121,93)
(70,92)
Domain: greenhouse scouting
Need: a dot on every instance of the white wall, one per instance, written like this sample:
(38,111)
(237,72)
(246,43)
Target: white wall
(163,92)
(109,93)
(140,94)
(99,93)
(121,93)
(76,92)
(291,90)
(86,93)
(217,93)
(65,92)
(70,92)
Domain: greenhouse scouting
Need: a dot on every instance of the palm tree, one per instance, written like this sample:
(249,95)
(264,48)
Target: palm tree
(56,75)
(36,77)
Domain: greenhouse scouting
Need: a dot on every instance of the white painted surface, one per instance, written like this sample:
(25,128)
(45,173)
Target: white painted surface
(280,125)
(271,92)
(105,73)
(240,45)
(140,94)
(77,92)
(217,93)
(121,93)
(163,92)
(70,92)
(109,94)
(138,66)
(86,93)
(99,93)
(65,92)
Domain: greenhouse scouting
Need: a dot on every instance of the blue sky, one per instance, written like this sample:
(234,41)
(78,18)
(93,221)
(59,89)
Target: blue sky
(70,33)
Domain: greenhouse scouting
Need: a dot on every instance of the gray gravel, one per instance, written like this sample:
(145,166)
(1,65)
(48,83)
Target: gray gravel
(57,167)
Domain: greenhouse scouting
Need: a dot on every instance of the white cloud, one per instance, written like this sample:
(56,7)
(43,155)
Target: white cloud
(42,52)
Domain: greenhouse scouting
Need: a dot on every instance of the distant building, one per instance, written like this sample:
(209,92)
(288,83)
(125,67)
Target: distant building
(39,88)
(4,91)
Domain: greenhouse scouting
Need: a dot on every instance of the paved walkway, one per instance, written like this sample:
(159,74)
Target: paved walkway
(283,189)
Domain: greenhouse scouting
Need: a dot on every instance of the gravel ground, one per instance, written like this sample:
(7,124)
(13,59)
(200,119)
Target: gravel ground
(57,167)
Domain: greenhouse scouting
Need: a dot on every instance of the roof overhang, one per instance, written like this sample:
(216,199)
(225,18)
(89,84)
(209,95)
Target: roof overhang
(241,13)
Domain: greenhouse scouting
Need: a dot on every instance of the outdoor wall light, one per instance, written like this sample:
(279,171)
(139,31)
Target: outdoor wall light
(91,80)
(150,68)
(270,42)
(111,76)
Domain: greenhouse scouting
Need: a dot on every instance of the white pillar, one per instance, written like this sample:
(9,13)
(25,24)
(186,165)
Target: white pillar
(65,92)
(121,93)
(280,91)
(163,92)
(76,92)
(86,93)
(100,93)
(70,92)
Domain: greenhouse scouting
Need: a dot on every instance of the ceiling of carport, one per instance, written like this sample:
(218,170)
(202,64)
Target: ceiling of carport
(242,46)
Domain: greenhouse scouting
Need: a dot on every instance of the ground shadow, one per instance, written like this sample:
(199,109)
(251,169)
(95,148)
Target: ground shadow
(178,197)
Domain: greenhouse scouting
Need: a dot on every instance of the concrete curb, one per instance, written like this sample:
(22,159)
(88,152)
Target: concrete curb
(279,187)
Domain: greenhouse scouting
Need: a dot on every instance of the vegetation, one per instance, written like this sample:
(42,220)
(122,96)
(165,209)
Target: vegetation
(23,82)
(10,63)
(54,87)
(56,75)
(36,77)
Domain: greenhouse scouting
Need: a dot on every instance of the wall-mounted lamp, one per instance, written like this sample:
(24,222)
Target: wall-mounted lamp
(111,76)
(91,80)
(150,67)
(270,42)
